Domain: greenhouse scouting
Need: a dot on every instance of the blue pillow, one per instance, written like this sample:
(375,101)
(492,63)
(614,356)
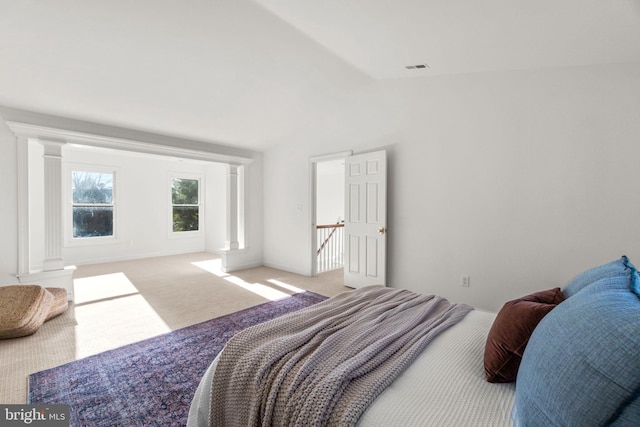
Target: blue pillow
(582,363)
(614,268)
(635,284)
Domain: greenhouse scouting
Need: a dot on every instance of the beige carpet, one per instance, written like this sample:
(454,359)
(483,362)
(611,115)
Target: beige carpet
(124,302)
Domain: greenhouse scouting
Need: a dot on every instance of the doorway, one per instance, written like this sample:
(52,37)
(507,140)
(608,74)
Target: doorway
(362,218)
(327,211)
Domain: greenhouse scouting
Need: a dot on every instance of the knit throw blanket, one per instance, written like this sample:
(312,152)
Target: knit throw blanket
(325,364)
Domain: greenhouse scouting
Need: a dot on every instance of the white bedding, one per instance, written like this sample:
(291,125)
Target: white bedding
(445,386)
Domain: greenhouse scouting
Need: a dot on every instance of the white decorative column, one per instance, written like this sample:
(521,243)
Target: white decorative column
(24,266)
(232,208)
(53,225)
(54,273)
(235,252)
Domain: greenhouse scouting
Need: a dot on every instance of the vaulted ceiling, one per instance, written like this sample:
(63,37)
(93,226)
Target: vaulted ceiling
(382,37)
(247,73)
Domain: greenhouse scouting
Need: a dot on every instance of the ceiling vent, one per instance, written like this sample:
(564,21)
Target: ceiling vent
(417,67)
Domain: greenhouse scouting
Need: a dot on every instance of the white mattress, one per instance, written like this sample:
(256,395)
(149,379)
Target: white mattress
(445,386)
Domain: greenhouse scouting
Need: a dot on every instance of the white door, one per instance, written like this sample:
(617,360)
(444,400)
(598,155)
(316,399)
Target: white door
(365,219)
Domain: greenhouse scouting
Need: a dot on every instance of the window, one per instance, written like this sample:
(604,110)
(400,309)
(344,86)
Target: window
(185,204)
(92,204)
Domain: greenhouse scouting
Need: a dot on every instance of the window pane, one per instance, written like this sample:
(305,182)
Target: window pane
(185,218)
(92,221)
(184,191)
(92,187)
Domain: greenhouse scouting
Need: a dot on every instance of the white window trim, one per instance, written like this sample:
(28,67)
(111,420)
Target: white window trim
(201,213)
(69,240)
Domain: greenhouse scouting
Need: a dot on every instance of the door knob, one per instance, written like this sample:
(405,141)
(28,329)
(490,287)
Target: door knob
(381,230)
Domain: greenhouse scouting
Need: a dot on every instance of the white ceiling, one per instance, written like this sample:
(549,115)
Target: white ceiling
(248,73)
(381,37)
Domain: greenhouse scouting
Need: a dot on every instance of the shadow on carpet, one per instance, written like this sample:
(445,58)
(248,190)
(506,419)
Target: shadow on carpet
(151,382)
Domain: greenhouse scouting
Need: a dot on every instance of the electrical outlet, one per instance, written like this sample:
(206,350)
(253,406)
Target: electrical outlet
(465,281)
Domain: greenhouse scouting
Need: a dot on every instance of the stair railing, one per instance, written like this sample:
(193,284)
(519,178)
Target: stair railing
(330,251)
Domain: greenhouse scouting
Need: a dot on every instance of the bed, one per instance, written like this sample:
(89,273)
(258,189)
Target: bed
(573,352)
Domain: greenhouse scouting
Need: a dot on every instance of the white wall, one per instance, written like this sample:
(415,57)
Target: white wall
(8,207)
(330,192)
(215,207)
(519,179)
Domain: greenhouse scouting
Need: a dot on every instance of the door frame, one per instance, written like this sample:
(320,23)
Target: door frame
(313,188)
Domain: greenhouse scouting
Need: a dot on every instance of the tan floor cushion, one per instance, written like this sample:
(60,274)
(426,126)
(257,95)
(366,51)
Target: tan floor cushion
(23,309)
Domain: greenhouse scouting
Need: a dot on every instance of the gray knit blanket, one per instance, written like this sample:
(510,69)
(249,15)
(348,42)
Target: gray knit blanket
(325,364)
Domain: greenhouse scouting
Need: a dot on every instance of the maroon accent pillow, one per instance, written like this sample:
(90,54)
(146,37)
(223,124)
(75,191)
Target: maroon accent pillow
(510,333)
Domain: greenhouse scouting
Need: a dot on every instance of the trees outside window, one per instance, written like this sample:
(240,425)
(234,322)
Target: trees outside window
(93,206)
(185,200)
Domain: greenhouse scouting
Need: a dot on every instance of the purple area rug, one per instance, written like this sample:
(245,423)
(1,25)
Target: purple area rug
(150,382)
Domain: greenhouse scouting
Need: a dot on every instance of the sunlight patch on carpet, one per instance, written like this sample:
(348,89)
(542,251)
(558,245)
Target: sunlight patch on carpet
(257,288)
(106,286)
(214,266)
(285,285)
(109,304)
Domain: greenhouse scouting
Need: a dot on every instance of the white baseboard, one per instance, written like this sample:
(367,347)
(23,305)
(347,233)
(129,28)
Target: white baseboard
(133,257)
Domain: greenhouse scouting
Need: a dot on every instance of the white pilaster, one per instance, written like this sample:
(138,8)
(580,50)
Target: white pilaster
(54,273)
(53,225)
(232,242)
(23,205)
